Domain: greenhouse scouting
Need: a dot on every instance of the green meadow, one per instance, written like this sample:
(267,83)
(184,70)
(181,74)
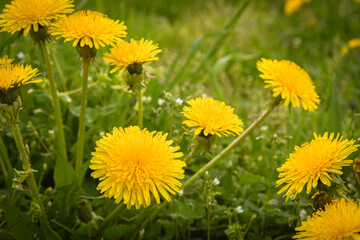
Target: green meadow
(209,48)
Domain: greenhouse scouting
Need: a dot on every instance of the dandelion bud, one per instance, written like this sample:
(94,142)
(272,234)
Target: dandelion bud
(84,211)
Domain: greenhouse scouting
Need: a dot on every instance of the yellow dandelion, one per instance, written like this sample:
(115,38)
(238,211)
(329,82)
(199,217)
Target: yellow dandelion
(5,61)
(290,82)
(292,6)
(211,117)
(353,43)
(315,161)
(15,76)
(125,54)
(339,221)
(88,28)
(131,162)
(31,14)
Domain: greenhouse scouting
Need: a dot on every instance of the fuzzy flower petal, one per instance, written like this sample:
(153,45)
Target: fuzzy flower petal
(290,82)
(315,161)
(15,76)
(339,221)
(131,162)
(5,61)
(88,28)
(291,6)
(135,52)
(211,117)
(31,14)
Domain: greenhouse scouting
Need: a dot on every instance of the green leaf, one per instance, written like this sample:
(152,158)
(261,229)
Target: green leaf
(64,174)
(21,224)
(118,231)
(188,210)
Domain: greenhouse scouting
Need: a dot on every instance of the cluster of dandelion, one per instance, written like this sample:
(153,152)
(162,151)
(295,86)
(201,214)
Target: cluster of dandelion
(134,164)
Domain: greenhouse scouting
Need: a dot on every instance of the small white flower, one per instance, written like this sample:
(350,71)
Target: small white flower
(358,139)
(216,181)
(102,133)
(20,55)
(210,203)
(291,197)
(146,99)
(179,101)
(160,101)
(264,128)
(206,173)
(168,95)
(239,209)
(204,95)
(181,193)
(303,214)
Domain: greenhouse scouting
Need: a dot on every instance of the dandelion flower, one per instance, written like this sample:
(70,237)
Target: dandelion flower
(211,117)
(32,14)
(125,54)
(353,43)
(292,6)
(88,28)
(315,161)
(131,162)
(339,220)
(290,82)
(5,61)
(15,76)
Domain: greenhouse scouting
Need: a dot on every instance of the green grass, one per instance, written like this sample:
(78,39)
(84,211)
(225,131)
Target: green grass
(200,55)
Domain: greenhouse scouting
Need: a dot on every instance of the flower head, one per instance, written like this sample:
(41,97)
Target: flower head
(89,28)
(292,6)
(125,54)
(290,82)
(211,117)
(131,162)
(31,14)
(14,76)
(353,43)
(313,162)
(339,220)
(5,61)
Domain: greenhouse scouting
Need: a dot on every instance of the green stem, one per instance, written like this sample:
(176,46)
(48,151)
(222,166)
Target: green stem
(56,103)
(81,132)
(191,154)
(24,155)
(226,150)
(3,169)
(140,105)
(298,213)
(113,215)
(5,157)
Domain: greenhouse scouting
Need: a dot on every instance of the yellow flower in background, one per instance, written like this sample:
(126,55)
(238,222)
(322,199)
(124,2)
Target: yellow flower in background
(315,161)
(212,117)
(290,82)
(292,6)
(31,14)
(88,28)
(125,54)
(339,221)
(353,43)
(5,61)
(15,76)
(131,162)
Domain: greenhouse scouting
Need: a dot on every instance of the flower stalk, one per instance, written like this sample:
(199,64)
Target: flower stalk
(10,113)
(140,105)
(81,131)
(112,216)
(56,102)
